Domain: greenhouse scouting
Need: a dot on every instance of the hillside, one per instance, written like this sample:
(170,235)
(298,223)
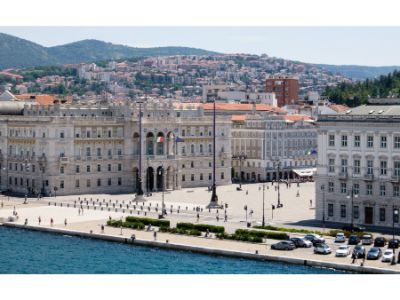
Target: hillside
(358,72)
(358,93)
(20,53)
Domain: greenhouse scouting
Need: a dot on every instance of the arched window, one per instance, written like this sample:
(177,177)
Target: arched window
(192,149)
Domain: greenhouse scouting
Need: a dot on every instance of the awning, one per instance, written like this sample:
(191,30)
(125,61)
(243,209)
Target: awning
(305,172)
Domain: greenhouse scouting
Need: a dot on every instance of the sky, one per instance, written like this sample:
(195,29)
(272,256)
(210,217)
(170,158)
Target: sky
(370,46)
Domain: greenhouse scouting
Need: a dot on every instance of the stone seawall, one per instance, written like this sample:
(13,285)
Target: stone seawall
(208,250)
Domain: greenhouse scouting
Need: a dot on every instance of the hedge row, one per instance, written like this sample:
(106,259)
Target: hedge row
(181,231)
(119,223)
(148,221)
(200,227)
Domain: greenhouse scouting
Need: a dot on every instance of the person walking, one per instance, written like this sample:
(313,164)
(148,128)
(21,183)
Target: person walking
(39,220)
(310,202)
(217,218)
(79,211)
(198,217)
(155,235)
(51,222)
(102,228)
(65,222)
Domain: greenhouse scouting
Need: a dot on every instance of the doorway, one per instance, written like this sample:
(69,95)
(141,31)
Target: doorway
(369,215)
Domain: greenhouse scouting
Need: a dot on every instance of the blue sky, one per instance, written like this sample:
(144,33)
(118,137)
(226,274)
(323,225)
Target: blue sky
(372,46)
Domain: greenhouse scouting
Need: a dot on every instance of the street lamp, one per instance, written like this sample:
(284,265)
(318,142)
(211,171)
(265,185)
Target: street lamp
(139,190)
(263,217)
(323,205)
(395,218)
(277,163)
(161,173)
(352,195)
(245,208)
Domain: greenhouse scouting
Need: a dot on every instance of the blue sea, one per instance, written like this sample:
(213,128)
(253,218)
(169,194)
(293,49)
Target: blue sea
(31,252)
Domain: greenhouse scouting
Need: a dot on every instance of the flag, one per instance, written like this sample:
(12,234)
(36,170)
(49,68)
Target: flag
(160,139)
(314,152)
(179,140)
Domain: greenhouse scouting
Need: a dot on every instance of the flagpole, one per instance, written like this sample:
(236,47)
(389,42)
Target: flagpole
(139,190)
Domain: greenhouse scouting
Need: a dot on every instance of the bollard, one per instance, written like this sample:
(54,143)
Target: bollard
(68,205)
(61,204)
(145,213)
(116,210)
(256,251)
(49,203)
(130,211)
(95,208)
(102,208)
(55,204)
(167,241)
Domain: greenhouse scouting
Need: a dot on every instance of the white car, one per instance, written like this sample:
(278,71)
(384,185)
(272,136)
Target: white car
(340,237)
(343,251)
(387,255)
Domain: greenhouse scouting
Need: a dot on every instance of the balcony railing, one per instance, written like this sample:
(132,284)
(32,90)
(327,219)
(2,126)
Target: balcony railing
(343,175)
(369,177)
(395,178)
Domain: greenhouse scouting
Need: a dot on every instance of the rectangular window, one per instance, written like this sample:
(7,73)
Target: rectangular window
(61,184)
(357,164)
(331,140)
(77,169)
(331,187)
(98,182)
(356,188)
(98,168)
(343,187)
(222,175)
(77,183)
(344,165)
(357,140)
(61,135)
(396,142)
(344,140)
(331,165)
(62,170)
(209,176)
(370,167)
(119,152)
(369,189)
(87,182)
(88,169)
(396,191)
(370,141)
(192,177)
(382,190)
(396,168)
(87,151)
(109,167)
(383,142)
(183,177)
(330,210)
(119,167)
(383,167)
(343,211)
(119,181)
(98,151)
(356,212)
(201,176)
(109,181)
(382,214)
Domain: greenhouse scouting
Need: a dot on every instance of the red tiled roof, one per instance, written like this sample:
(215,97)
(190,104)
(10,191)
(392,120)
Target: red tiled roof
(339,107)
(238,118)
(296,118)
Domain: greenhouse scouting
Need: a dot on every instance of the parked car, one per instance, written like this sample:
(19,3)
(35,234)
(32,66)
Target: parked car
(353,240)
(343,251)
(354,228)
(393,243)
(301,242)
(379,241)
(374,253)
(322,249)
(367,239)
(283,245)
(359,251)
(340,237)
(314,238)
(387,255)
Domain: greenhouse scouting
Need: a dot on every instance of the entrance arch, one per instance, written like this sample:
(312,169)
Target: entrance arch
(150,179)
(160,178)
(150,143)
(160,144)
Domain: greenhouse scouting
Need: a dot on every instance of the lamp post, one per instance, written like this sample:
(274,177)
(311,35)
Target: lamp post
(161,173)
(263,216)
(139,190)
(277,163)
(395,218)
(214,198)
(245,208)
(323,206)
(352,196)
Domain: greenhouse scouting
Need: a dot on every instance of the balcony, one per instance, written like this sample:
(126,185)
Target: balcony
(369,177)
(343,175)
(63,159)
(395,178)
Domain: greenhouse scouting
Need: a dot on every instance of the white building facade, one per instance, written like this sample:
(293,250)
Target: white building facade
(358,176)
(80,149)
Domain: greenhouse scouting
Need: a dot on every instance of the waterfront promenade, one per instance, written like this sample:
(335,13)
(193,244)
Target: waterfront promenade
(91,221)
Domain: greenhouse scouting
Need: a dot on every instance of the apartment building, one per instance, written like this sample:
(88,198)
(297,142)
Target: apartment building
(285,88)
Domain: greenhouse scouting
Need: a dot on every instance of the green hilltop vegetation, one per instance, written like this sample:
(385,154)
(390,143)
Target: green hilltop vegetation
(354,94)
(20,53)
